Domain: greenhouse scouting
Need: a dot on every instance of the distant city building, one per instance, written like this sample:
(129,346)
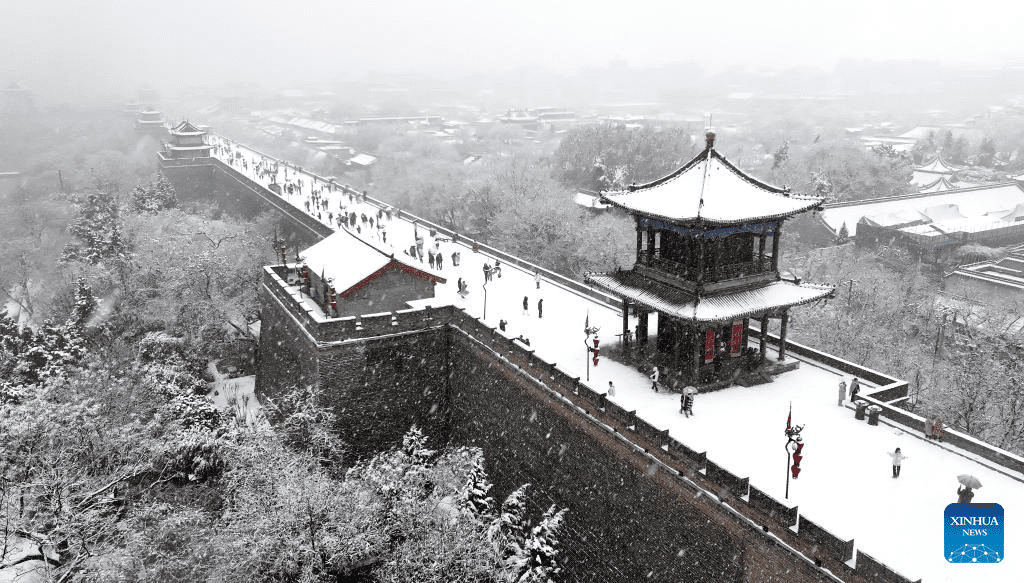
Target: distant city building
(151,122)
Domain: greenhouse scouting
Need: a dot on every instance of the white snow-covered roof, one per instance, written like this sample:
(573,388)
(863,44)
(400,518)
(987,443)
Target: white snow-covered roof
(939,185)
(187,129)
(982,204)
(678,303)
(590,201)
(711,189)
(349,261)
(362,159)
(938,165)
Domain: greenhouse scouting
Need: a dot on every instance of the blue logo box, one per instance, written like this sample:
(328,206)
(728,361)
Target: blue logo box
(974,533)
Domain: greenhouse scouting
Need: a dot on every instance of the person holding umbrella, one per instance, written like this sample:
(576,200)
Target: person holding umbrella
(686,401)
(966,492)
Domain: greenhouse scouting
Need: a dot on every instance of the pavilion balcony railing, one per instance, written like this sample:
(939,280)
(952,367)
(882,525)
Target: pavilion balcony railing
(712,273)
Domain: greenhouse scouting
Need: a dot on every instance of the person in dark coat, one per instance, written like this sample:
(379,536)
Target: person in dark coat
(540,308)
(487,272)
(964,495)
(688,403)
(430,258)
(455,258)
(854,389)
(439,259)
(526,306)
(502,324)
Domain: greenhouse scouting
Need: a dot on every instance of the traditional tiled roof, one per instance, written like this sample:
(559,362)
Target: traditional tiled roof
(352,263)
(940,185)
(937,166)
(185,128)
(678,303)
(710,189)
(985,203)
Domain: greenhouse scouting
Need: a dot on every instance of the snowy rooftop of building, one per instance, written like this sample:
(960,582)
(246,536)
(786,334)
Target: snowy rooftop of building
(348,261)
(710,189)
(981,201)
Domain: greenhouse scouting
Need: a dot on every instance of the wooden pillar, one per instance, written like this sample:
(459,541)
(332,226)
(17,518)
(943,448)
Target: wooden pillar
(760,252)
(782,336)
(775,246)
(625,321)
(764,337)
(641,327)
(698,353)
(677,332)
(650,244)
(639,242)
(700,261)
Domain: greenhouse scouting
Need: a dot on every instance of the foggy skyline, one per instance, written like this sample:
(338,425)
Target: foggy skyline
(64,47)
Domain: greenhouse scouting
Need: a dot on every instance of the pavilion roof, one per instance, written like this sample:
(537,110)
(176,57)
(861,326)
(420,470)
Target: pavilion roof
(186,128)
(351,262)
(710,189)
(937,166)
(941,184)
(679,303)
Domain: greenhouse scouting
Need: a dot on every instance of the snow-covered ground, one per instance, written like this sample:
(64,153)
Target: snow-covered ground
(846,484)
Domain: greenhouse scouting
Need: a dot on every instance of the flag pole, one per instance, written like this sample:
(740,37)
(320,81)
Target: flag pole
(789,421)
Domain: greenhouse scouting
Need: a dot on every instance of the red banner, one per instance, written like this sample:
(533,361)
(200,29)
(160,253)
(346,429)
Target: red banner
(709,346)
(736,339)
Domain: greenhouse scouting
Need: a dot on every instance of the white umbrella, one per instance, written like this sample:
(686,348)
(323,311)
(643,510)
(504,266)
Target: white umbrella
(969,481)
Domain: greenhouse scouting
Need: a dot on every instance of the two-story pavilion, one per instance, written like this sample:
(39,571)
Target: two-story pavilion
(707,250)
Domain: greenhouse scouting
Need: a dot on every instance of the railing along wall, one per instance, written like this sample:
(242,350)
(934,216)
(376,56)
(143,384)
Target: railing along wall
(889,393)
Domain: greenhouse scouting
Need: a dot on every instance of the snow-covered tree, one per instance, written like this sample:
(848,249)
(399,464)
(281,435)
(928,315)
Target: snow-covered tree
(475,498)
(154,197)
(98,231)
(85,303)
(542,564)
(508,530)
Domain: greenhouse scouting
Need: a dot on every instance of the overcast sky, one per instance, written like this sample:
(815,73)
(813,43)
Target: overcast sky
(120,44)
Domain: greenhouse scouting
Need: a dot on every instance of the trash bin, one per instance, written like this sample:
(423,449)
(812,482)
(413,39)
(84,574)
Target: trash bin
(861,406)
(873,412)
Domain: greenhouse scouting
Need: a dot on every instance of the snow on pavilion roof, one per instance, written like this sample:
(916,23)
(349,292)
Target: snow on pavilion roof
(187,129)
(710,189)
(940,185)
(937,166)
(678,303)
(351,262)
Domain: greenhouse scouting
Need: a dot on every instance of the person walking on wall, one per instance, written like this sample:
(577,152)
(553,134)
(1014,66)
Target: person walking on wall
(455,258)
(854,389)
(536,278)
(611,389)
(497,267)
(439,259)
(654,379)
(487,272)
(540,308)
(688,396)
(526,306)
(897,462)
(964,495)
(842,392)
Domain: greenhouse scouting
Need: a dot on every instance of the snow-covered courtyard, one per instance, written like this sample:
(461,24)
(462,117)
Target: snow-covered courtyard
(846,484)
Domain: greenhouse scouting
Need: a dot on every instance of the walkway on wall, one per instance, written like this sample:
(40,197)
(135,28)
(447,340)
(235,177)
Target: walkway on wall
(845,485)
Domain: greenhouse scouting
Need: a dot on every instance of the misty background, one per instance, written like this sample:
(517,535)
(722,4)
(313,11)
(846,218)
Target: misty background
(69,50)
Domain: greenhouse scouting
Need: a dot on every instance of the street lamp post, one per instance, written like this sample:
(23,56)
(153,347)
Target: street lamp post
(485,299)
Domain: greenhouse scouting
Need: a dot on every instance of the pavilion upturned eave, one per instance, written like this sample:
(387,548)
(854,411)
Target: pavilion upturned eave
(701,310)
(711,190)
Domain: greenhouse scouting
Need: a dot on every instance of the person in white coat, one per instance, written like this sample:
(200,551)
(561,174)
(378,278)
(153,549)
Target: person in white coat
(654,379)
(897,461)
(842,392)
